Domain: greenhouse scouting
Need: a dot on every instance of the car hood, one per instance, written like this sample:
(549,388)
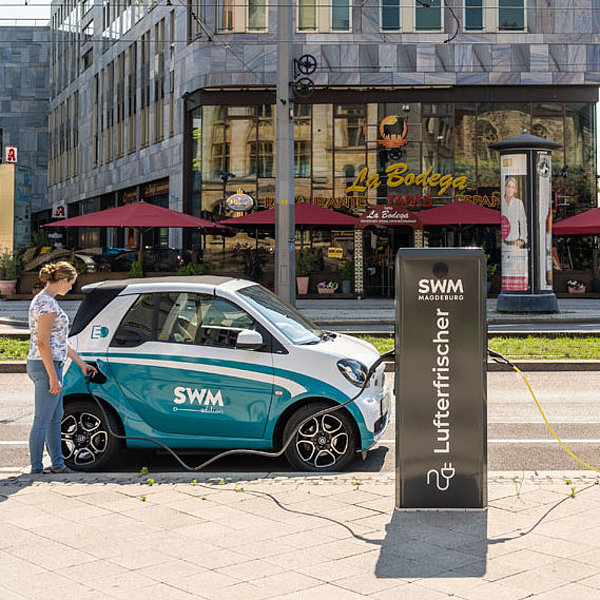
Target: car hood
(345,346)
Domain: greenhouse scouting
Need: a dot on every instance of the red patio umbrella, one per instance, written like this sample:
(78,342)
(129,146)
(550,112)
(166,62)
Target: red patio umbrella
(304,214)
(138,215)
(460,213)
(585,223)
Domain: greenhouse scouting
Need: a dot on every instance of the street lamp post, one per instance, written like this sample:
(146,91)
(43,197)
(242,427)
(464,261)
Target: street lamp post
(285,261)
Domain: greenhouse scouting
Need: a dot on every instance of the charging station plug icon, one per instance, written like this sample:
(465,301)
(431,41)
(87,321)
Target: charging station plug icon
(441,478)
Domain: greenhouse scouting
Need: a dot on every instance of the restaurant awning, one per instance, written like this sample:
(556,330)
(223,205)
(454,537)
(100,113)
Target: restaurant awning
(136,214)
(585,223)
(304,215)
(460,213)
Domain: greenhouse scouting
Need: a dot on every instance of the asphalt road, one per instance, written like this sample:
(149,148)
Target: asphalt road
(517,437)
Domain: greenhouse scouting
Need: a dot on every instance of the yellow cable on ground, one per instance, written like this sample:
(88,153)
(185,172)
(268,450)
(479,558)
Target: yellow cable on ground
(550,426)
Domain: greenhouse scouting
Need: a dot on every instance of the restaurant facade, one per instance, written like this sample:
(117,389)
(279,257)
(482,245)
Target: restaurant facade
(405,106)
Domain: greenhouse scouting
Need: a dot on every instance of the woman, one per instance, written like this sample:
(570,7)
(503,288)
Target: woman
(514,239)
(48,351)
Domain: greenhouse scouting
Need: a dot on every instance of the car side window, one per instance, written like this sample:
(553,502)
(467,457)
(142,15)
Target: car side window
(137,325)
(200,319)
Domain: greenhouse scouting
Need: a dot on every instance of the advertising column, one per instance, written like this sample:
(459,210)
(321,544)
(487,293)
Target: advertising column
(526,190)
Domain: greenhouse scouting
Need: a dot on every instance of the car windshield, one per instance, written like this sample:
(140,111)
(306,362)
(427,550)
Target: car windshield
(296,327)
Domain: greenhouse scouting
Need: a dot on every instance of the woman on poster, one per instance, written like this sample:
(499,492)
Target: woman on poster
(514,238)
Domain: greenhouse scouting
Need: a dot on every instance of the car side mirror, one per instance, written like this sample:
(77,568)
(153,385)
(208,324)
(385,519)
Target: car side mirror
(249,339)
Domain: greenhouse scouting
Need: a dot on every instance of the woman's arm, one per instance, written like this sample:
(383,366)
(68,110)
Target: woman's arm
(45,323)
(80,363)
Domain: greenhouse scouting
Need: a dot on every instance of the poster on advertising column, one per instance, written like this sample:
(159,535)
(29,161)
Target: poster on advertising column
(515,238)
(544,192)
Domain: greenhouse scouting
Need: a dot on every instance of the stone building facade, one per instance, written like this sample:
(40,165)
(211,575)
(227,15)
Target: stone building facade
(24,101)
(175,104)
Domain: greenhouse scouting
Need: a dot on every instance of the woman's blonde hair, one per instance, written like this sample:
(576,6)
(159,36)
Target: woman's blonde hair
(57,271)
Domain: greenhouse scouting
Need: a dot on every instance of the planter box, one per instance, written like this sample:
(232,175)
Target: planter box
(573,290)
(325,290)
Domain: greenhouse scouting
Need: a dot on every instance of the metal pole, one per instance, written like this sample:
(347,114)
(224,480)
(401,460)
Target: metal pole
(285,258)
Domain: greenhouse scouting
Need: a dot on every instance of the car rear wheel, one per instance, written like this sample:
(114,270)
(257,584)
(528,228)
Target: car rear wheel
(87,444)
(324,443)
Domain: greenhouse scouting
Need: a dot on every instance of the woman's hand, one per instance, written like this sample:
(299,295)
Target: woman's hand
(88,370)
(54,384)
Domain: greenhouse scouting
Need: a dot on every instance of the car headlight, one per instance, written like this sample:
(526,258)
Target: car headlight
(353,370)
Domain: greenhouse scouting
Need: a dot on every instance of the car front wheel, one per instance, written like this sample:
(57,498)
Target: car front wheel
(87,444)
(324,443)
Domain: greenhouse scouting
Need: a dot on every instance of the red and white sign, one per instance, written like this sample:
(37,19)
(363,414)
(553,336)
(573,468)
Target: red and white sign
(59,211)
(10,154)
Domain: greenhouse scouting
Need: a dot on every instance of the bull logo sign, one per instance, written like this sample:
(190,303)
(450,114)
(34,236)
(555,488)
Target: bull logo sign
(393,131)
(10,154)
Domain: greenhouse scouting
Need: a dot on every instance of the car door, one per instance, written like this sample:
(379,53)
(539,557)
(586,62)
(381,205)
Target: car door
(186,376)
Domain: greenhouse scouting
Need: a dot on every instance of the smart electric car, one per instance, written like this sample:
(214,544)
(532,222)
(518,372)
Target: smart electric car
(215,363)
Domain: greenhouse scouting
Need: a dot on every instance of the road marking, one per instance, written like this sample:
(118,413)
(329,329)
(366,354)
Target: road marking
(521,441)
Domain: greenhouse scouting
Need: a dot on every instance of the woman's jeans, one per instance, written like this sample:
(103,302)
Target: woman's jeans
(47,418)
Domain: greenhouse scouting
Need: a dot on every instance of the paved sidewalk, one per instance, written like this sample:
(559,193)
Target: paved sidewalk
(255,536)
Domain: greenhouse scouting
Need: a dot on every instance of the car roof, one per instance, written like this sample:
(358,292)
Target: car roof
(153,284)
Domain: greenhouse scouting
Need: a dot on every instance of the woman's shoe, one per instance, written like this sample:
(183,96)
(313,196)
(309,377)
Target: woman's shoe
(63,469)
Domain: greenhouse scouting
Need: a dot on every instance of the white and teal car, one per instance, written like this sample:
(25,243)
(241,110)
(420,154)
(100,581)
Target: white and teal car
(215,363)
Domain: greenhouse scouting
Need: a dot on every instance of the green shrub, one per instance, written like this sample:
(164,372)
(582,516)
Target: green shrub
(136,271)
(10,266)
(347,271)
(192,269)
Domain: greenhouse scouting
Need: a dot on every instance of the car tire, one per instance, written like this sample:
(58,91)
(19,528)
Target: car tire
(326,443)
(87,444)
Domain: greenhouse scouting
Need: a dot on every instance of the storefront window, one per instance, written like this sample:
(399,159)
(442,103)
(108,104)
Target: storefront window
(465,143)
(497,121)
(322,133)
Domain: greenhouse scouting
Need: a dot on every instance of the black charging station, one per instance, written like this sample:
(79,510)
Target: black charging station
(441,403)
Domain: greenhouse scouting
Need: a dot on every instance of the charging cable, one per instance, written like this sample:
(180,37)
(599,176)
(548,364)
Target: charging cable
(265,453)
(503,360)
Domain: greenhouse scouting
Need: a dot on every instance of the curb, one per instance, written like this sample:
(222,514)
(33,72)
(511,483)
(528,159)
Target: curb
(20,366)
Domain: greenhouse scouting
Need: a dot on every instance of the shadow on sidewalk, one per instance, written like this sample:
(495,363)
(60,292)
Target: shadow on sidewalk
(434,544)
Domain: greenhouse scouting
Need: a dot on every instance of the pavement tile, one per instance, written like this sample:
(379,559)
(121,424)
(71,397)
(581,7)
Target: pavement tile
(569,570)
(50,555)
(7,594)
(592,557)
(157,591)
(330,571)
(239,591)
(138,559)
(322,592)
(409,591)
(206,582)
(492,590)
(92,570)
(366,583)
(250,570)
(449,583)
(169,570)
(264,549)
(285,583)
(125,582)
(593,581)
(538,583)
(572,590)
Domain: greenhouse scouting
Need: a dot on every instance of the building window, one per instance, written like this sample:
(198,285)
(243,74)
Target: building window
(159,80)
(87,59)
(473,19)
(307,15)
(428,17)
(340,15)
(324,16)
(390,15)
(239,17)
(132,97)
(257,15)
(511,15)
(145,91)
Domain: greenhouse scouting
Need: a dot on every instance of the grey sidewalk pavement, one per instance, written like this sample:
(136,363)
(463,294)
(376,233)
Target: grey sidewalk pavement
(254,536)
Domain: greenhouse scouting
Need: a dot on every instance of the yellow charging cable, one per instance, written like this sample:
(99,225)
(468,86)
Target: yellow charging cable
(500,358)
(565,448)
